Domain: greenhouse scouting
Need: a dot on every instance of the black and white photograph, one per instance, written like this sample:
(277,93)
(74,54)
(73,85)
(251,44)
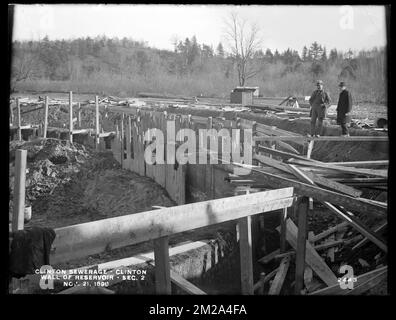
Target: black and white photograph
(192,149)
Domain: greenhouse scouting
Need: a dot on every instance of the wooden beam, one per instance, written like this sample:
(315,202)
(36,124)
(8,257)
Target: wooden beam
(71,116)
(351,170)
(369,284)
(323,138)
(328,183)
(365,240)
(97,130)
(187,286)
(324,234)
(162,268)
(348,217)
(19,190)
(321,194)
(94,237)
(277,283)
(79,115)
(301,244)
(11,115)
(265,279)
(337,290)
(284,155)
(45,117)
(246,258)
(312,257)
(362,164)
(19,132)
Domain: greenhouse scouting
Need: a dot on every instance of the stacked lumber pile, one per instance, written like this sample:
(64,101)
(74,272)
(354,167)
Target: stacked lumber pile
(337,186)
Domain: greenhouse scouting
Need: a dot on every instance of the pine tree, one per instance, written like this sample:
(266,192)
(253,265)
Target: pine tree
(220,50)
(305,54)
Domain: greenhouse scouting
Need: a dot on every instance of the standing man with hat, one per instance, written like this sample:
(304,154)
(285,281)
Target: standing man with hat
(344,106)
(319,101)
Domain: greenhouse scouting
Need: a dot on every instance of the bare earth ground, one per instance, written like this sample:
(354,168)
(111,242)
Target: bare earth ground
(70,184)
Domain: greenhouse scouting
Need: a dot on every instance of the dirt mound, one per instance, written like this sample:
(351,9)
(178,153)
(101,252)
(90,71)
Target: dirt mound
(67,183)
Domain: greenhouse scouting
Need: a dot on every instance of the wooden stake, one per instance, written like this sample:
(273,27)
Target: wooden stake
(12,115)
(71,116)
(162,268)
(79,115)
(19,190)
(97,122)
(301,244)
(45,117)
(245,249)
(19,130)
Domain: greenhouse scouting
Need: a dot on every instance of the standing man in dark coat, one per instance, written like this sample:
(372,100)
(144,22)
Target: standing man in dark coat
(319,101)
(343,108)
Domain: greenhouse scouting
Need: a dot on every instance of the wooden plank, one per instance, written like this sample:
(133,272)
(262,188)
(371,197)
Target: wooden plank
(97,130)
(162,268)
(277,283)
(71,116)
(19,190)
(365,240)
(367,285)
(19,132)
(323,138)
(79,115)
(324,234)
(348,217)
(284,155)
(329,184)
(11,115)
(310,148)
(264,279)
(301,245)
(312,257)
(246,258)
(128,141)
(185,285)
(351,170)
(45,117)
(321,194)
(337,290)
(362,164)
(94,237)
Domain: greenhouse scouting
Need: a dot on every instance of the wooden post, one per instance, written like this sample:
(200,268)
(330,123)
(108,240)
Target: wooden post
(122,141)
(45,117)
(19,190)
(310,148)
(71,116)
(245,249)
(162,268)
(79,115)
(19,131)
(11,114)
(97,122)
(301,244)
(212,182)
(129,140)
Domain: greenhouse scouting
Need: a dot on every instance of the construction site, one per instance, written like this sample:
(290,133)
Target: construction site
(285,214)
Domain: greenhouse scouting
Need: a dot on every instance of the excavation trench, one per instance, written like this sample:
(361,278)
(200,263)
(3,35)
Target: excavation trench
(70,183)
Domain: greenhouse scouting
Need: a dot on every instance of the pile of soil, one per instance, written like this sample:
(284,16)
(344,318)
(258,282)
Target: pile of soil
(69,184)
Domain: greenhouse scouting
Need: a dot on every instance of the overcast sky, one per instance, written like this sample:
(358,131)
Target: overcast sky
(341,27)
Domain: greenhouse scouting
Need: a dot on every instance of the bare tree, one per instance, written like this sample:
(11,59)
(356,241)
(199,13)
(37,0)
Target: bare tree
(244,41)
